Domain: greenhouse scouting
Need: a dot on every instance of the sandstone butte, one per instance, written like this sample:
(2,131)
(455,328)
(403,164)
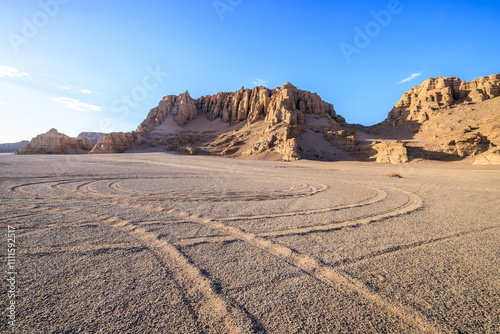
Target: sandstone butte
(441,119)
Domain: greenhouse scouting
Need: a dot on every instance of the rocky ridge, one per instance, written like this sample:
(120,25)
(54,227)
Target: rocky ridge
(424,101)
(443,118)
(284,114)
(282,104)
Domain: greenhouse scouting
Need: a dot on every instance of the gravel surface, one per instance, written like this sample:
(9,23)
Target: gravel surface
(165,243)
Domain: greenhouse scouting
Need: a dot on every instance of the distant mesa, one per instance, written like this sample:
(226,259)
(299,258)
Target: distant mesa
(441,119)
(53,142)
(12,147)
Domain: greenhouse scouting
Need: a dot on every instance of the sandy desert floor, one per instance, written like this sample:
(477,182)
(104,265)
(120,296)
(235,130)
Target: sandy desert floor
(164,243)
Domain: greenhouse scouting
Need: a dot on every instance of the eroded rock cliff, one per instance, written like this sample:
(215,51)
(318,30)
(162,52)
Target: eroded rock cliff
(282,104)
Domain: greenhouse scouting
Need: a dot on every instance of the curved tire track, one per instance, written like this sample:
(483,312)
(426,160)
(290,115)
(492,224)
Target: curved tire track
(381,195)
(199,287)
(216,313)
(319,270)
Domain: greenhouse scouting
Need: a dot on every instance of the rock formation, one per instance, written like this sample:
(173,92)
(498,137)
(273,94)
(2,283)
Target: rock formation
(12,147)
(282,109)
(286,103)
(343,139)
(279,139)
(183,107)
(441,119)
(274,121)
(446,118)
(468,144)
(116,142)
(53,142)
(289,104)
(94,137)
(420,103)
(393,152)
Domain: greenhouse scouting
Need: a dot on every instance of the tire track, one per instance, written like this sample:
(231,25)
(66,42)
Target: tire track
(116,186)
(414,203)
(381,195)
(307,264)
(86,188)
(320,271)
(19,187)
(417,244)
(211,309)
(57,185)
(218,314)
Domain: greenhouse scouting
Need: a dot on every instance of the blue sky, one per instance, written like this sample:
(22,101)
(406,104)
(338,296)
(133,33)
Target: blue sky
(102,65)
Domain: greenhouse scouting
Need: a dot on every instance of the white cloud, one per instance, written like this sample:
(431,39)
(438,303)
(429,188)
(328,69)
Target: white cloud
(260,82)
(75,90)
(3,102)
(411,77)
(76,105)
(11,72)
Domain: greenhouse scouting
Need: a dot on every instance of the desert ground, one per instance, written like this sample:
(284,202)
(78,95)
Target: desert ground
(167,243)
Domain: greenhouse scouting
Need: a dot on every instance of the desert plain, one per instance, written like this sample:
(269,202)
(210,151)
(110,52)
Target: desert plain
(169,243)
